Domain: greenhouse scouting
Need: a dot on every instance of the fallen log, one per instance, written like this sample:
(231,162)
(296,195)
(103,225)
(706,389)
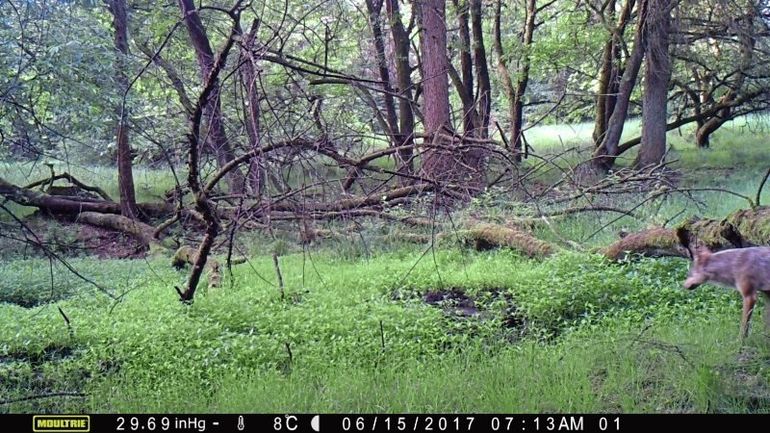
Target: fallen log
(653,242)
(72,205)
(742,228)
(485,236)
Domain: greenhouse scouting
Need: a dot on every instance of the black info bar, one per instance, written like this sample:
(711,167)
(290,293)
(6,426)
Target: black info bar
(301,423)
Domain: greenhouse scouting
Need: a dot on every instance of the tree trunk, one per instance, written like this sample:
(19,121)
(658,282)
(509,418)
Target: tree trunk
(72,205)
(742,228)
(657,74)
(128,207)
(608,74)
(603,91)
(216,138)
(705,129)
(404,87)
(517,121)
(374,7)
(437,163)
(484,88)
(505,77)
(434,65)
(607,151)
(251,109)
(442,163)
(466,67)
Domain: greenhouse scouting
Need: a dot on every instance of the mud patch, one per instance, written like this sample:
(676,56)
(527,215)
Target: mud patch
(71,239)
(52,352)
(453,301)
(485,304)
(54,384)
(108,244)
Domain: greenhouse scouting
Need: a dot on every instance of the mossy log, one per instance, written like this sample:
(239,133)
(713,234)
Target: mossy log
(742,228)
(136,229)
(486,236)
(654,242)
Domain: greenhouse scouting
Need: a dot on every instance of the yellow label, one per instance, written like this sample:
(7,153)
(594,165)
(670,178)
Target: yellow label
(61,423)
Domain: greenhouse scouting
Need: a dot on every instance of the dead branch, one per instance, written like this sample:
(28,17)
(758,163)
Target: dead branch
(202,203)
(73,180)
(71,205)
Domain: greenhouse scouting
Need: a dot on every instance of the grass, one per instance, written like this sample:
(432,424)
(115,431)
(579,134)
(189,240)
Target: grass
(571,333)
(597,338)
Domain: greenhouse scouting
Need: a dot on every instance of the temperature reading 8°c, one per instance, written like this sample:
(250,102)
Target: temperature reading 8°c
(288,423)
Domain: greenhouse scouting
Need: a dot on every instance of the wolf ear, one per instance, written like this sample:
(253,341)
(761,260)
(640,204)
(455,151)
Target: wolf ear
(702,252)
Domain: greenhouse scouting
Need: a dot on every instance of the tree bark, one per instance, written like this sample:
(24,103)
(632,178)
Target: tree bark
(742,228)
(140,231)
(608,74)
(465,87)
(443,164)
(374,8)
(505,77)
(72,205)
(251,110)
(434,65)
(657,74)
(484,87)
(607,151)
(217,140)
(404,88)
(517,120)
(437,164)
(128,208)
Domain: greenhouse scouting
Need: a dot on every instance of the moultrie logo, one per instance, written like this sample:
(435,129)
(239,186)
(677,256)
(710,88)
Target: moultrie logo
(61,423)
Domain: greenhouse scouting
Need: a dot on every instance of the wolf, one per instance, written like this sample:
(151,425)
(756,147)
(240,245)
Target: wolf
(745,269)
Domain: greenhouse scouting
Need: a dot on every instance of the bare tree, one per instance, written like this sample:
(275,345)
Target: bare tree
(217,140)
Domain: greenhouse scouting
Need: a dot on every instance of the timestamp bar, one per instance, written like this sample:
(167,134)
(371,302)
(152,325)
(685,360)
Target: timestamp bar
(355,423)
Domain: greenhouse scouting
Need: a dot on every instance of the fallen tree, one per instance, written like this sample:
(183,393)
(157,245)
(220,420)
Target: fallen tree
(742,228)
(139,230)
(71,205)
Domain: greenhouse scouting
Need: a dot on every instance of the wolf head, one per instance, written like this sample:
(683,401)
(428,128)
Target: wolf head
(698,274)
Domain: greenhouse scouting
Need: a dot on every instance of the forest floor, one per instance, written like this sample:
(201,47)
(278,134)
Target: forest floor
(367,325)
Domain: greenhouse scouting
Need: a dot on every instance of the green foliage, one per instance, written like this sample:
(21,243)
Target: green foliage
(328,332)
